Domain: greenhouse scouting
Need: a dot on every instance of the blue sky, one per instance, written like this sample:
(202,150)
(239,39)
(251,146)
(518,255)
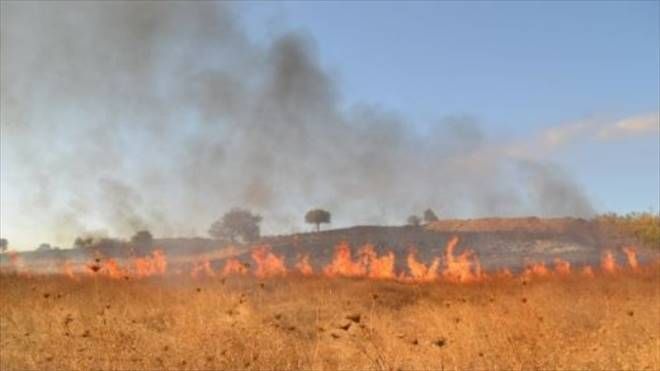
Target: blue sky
(512,63)
(517,67)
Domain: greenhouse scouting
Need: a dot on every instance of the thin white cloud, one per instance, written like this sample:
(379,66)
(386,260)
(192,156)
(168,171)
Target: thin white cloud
(632,126)
(564,134)
(557,137)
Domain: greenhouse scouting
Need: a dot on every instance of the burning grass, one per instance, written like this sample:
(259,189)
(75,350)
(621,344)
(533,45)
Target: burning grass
(572,321)
(463,267)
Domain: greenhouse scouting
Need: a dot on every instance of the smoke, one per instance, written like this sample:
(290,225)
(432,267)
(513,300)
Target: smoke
(126,115)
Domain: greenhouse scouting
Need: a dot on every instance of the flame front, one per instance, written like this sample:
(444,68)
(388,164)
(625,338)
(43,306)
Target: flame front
(234,266)
(608,263)
(343,265)
(631,255)
(202,268)
(156,264)
(587,271)
(367,263)
(112,269)
(562,267)
(268,265)
(304,267)
(419,272)
(462,268)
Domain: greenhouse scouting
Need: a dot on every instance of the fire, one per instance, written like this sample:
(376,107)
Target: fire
(537,269)
(14,259)
(156,264)
(112,269)
(419,272)
(202,268)
(608,263)
(68,270)
(462,268)
(152,265)
(234,266)
(562,267)
(504,273)
(343,265)
(379,267)
(16,264)
(587,271)
(268,265)
(452,267)
(304,267)
(457,268)
(631,255)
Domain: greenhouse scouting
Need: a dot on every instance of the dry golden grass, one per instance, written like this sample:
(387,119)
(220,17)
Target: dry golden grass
(314,323)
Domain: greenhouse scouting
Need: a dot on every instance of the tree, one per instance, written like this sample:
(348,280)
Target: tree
(414,221)
(317,217)
(83,242)
(4,245)
(142,238)
(429,216)
(44,247)
(141,243)
(237,223)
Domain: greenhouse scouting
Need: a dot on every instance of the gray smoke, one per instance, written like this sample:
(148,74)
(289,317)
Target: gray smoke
(127,115)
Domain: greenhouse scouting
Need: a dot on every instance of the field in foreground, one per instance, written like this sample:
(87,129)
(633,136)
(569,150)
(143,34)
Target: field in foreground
(606,322)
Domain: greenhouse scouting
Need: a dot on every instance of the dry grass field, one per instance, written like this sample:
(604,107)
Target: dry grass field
(608,322)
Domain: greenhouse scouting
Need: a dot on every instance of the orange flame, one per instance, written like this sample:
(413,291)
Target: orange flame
(202,268)
(631,255)
(268,265)
(504,273)
(380,267)
(234,266)
(419,272)
(304,267)
(536,269)
(562,267)
(462,268)
(14,259)
(17,265)
(112,269)
(156,264)
(342,263)
(608,263)
(456,268)
(587,271)
(67,269)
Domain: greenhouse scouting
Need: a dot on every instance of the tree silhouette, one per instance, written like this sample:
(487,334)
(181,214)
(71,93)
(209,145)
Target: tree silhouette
(44,247)
(429,216)
(414,221)
(235,224)
(143,238)
(317,217)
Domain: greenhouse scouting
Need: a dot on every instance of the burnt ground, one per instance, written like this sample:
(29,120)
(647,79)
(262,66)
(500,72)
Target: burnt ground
(514,248)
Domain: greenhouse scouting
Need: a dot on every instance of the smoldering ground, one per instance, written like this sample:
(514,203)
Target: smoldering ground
(121,115)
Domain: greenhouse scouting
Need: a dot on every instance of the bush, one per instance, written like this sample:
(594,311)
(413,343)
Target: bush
(643,226)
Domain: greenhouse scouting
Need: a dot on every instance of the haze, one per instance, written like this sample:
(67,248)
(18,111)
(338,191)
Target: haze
(121,116)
